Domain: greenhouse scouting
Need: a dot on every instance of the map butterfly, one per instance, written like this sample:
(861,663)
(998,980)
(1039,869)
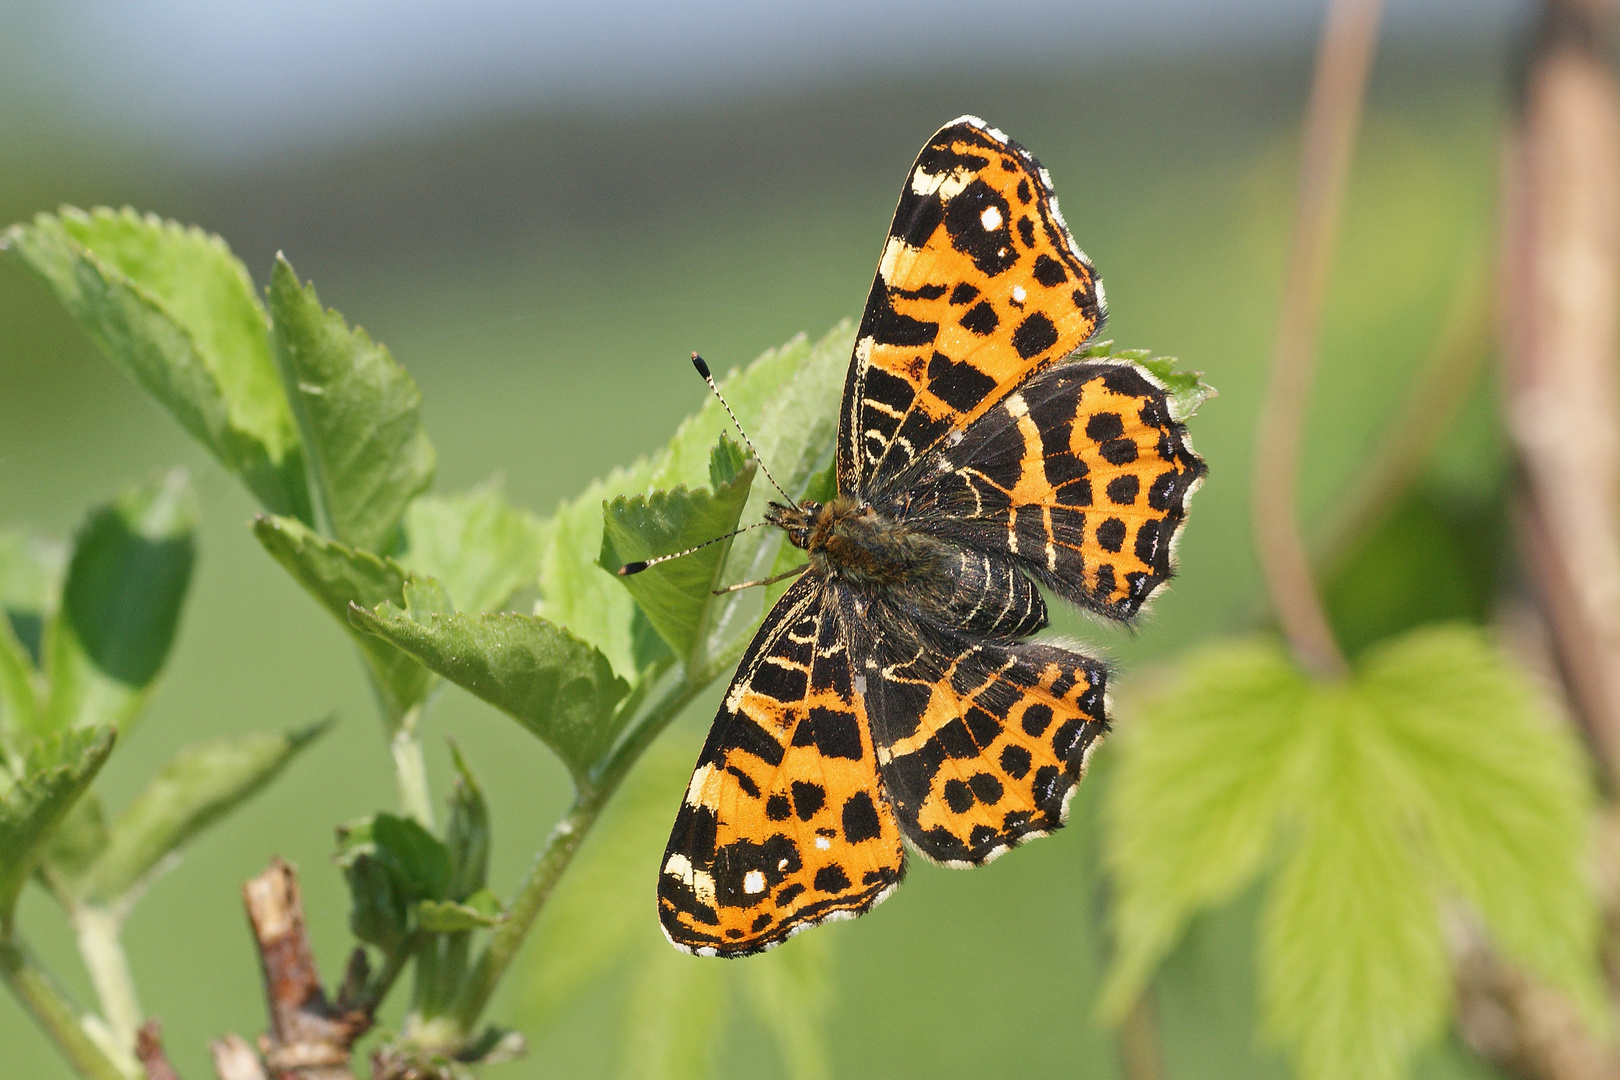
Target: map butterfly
(891,693)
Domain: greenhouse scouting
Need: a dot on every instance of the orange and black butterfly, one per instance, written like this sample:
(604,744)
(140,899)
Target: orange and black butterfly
(890,694)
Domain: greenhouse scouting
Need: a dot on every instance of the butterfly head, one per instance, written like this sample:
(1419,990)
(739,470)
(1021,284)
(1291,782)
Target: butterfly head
(799,521)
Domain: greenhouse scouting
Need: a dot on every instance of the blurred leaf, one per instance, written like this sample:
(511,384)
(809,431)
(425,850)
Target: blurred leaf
(480,909)
(788,400)
(677,595)
(175,310)
(789,990)
(391,864)
(1186,389)
(480,546)
(547,679)
(466,834)
(30,590)
(378,914)
(673,1017)
(120,605)
(78,840)
(359,413)
(1430,773)
(337,575)
(57,772)
(199,785)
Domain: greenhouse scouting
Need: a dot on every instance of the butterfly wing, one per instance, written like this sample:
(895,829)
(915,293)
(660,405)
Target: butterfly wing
(784,824)
(980,741)
(1081,475)
(979,285)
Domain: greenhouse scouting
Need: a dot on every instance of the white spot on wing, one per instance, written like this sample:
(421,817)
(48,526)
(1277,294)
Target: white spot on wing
(860,684)
(1019,294)
(700,777)
(990,219)
(753,882)
(822,843)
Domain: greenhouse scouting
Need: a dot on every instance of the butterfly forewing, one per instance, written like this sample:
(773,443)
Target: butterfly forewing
(784,823)
(979,284)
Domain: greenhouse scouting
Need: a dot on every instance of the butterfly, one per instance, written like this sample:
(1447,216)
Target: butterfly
(891,695)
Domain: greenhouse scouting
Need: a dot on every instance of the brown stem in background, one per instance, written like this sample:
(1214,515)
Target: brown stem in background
(234,1059)
(1138,1042)
(149,1052)
(1342,63)
(309,1039)
(1561,308)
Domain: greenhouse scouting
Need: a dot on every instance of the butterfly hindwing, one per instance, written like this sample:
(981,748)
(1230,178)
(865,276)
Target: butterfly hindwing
(980,283)
(784,824)
(1081,475)
(980,741)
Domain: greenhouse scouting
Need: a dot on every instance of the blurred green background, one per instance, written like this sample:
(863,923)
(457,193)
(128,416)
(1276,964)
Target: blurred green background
(543,265)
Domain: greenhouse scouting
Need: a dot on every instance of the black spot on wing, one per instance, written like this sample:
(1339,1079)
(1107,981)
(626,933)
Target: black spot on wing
(1049,272)
(1122,490)
(980,319)
(963,294)
(886,326)
(860,818)
(832,879)
(1034,335)
(835,734)
(959,385)
(990,249)
(1111,534)
(807,799)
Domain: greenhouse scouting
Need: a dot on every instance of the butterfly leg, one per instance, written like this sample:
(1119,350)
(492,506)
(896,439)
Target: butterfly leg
(772,580)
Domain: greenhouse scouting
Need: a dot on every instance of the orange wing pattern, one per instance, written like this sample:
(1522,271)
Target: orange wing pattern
(784,824)
(980,284)
(981,743)
(1081,475)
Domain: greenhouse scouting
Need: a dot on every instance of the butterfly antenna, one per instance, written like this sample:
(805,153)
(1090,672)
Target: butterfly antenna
(637,567)
(703,370)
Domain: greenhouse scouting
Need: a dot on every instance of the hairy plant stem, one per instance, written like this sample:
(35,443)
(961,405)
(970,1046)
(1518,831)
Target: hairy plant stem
(52,1012)
(97,930)
(1343,60)
(410,769)
(592,795)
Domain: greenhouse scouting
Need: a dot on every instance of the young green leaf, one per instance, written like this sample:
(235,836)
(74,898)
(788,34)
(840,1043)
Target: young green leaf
(57,772)
(76,843)
(466,834)
(542,676)
(337,575)
(1428,777)
(677,595)
(358,412)
(175,310)
(479,910)
(120,605)
(477,544)
(199,785)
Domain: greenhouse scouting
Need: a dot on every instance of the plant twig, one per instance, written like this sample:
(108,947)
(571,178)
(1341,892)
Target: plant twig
(410,769)
(1562,305)
(1343,60)
(308,1039)
(149,1052)
(51,1011)
(96,929)
(234,1059)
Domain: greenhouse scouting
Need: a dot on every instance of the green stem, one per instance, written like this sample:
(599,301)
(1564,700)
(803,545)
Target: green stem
(52,1012)
(410,770)
(559,851)
(104,958)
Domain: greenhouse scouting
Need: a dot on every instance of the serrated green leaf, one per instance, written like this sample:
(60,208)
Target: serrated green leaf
(198,786)
(358,411)
(1428,776)
(466,834)
(726,460)
(337,575)
(57,772)
(788,401)
(175,310)
(120,605)
(480,909)
(477,544)
(677,595)
(548,680)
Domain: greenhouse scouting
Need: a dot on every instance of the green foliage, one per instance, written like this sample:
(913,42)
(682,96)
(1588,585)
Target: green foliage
(480,909)
(788,401)
(466,833)
(30,594)
(1431,776)
(175,310)
(120,605)
(200,785)
(36,797)
(677,595)
(545,678)
(477,544)
(337,575)
(358,411)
